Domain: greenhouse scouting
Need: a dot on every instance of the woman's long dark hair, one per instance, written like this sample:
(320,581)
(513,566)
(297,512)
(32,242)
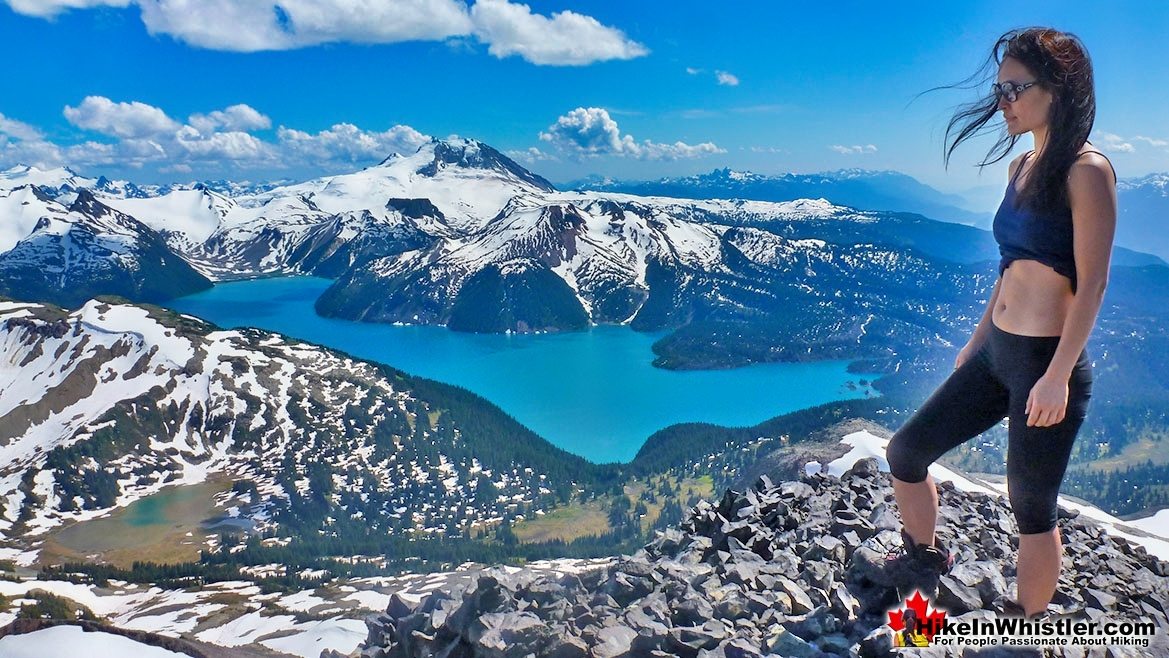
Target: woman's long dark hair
(1061,64)
(909,618)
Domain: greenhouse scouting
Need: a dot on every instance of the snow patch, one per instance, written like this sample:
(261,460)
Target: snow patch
(69,641)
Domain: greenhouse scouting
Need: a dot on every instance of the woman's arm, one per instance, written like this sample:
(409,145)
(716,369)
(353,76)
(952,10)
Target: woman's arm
(982,331)
(1092,195)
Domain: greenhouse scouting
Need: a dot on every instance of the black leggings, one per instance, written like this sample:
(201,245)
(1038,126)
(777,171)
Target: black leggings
(992,384)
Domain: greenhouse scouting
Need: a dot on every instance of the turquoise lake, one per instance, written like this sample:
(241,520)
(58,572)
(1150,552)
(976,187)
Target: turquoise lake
(593,393)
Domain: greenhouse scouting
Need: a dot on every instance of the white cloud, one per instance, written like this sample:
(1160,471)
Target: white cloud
(588,131)
(1158,143)
(50,8)
(141,150)
(232,145)
(46,155)
(767,149)
(678,150)
(247,26)
(699,113)
(722,77)
(88,154)
(592,132)
(531,154)
(1115,143)
(728,79)
(854,150)
(144,135)
(568,38)
(18,129)
(129,120)
(565,38)
(346,143)
(37,153)
(237,117)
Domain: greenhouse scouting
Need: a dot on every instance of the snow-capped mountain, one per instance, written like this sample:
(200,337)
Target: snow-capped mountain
(185,217)
(291,234)
(574,257)
(234,188)
(88,249)
(444,189)
(109,403)
(1143,202)
(858,188)
(403,203)
(22,208)
(460,235)
(54,182)
(1143,205)
(467,180)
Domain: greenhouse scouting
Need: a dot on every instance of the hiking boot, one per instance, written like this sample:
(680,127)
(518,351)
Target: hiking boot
(1012,608)
(930,559)
(915,566)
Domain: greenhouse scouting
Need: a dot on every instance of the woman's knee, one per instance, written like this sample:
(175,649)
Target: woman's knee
(1035,512)
(905,463)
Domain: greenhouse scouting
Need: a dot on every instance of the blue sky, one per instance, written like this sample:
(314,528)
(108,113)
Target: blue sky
(156,91)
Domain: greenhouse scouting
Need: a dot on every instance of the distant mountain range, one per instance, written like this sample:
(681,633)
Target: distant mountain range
(858,188)
(457,234)
(1144,214)
(1143,202)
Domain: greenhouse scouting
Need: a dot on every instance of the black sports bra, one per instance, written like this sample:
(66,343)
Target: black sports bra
(1044,236)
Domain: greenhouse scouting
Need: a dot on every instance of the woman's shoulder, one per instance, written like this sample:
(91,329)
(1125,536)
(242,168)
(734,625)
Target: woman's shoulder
(1091,168)
(1014,166)
(1092,165)
(1091,185)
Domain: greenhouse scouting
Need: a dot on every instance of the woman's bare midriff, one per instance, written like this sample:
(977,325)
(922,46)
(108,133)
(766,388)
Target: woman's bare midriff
(1033,300)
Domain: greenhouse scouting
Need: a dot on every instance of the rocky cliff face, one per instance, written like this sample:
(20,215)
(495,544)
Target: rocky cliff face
(795,569)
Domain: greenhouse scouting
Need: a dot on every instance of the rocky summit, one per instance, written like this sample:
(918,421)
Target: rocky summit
(789,569)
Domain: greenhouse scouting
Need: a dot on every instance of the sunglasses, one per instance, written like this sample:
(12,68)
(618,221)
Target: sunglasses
(1010,89)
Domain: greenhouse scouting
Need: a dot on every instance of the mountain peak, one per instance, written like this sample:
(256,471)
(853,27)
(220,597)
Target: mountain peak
(89,205)
(16,170)
(474,154)
(32,169)
(726,173)
(22,174)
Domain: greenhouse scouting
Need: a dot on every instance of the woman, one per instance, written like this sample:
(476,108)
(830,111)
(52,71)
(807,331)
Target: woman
(1025,360)
(910,636)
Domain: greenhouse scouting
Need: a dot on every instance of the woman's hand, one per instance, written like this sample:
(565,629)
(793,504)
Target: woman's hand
(1048,401)
(964,355)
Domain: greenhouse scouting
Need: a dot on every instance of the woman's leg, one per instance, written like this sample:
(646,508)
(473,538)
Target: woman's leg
(1038,567)
(918,504)
(1037,458)
(968,403)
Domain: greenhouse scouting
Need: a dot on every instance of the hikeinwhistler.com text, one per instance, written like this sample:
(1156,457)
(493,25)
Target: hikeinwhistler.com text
(1017,632)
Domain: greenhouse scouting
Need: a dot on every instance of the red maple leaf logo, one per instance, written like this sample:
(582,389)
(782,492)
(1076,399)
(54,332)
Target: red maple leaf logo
(929,619)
